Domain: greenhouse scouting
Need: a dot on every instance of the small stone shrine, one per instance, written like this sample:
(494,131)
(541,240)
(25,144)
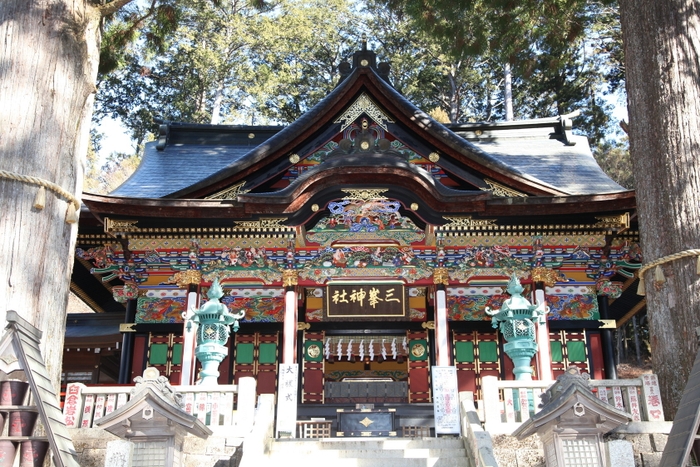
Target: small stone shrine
(572,422)
(154,422)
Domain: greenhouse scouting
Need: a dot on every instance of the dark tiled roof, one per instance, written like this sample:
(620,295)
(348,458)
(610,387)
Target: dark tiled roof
(571,169)
(192,153)
(197,156)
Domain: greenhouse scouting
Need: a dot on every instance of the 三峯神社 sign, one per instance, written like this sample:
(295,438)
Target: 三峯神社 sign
(349,300)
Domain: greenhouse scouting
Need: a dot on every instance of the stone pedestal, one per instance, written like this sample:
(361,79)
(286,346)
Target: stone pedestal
(119,453)
(620,453)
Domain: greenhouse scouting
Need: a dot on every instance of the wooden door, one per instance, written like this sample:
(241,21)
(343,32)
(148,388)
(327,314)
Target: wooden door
(476,354)
(418,367)
(313,366)
(165,354)
(257,354)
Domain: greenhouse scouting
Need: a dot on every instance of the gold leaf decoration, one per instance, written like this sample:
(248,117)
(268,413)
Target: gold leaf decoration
(502,191)
(465,222)
(621,221)
(365,194)
(231,192)
(363,104)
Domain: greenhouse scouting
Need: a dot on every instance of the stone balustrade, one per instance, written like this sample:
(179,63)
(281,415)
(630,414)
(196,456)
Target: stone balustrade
(216,406)
(507,404)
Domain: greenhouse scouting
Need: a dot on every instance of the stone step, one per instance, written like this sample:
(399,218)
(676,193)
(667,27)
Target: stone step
(367,444)
(375,452)
(329,454)
(381,462)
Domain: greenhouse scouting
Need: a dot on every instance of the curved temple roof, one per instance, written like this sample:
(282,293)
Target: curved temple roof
(536,157)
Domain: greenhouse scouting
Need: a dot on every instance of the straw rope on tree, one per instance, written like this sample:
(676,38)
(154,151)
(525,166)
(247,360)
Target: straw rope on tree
(40,199)
(658,273)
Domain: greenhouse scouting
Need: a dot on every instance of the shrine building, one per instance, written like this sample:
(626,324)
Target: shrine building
(364,242)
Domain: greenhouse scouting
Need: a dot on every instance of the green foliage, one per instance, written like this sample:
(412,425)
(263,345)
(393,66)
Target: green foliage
(425,70)
(227,61)
(178,74)
(614,158)
(104,178)
(235,61)
(296,54)
(565,55)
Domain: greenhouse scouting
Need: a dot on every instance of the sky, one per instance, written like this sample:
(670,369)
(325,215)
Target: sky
(116,138)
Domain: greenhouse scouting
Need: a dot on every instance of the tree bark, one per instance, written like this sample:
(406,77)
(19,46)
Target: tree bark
(48,67)
(662,53)
(508,91)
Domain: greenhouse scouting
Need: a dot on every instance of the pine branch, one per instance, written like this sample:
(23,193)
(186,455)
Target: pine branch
(112,7)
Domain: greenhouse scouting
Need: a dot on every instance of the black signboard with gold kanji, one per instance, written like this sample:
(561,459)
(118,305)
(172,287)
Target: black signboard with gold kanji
(366,300)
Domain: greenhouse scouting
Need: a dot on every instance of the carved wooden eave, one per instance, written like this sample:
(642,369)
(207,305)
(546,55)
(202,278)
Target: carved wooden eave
(555,205)
(102,206)
(303,195)
(403,183)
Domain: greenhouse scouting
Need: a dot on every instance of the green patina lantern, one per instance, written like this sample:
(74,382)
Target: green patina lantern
(214,319)
(516,319)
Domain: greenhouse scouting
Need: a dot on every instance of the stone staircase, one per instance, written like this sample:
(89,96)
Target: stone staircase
(374,452)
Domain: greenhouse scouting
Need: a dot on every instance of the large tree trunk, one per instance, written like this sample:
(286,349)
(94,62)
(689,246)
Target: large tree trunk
(662,56)
(48,67)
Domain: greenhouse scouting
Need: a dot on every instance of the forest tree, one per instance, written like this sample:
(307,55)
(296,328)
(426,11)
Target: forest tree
(663,88)
(50,54)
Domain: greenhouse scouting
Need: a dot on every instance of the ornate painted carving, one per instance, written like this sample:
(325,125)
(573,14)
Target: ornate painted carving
(487,261)
(113,226)
(608,288)
(290,277)
(546,275)
(239,263)
(365,194)
(129,291)
(569,301)
(166,309)
(185,278)
(470,307)
(365,262)
(263,224)
(362,216)
(101,257)
(621,221)
(466,222)
(441,276)
(257,309)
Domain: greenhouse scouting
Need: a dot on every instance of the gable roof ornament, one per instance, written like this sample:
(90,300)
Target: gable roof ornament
(364,58)
(363,104)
